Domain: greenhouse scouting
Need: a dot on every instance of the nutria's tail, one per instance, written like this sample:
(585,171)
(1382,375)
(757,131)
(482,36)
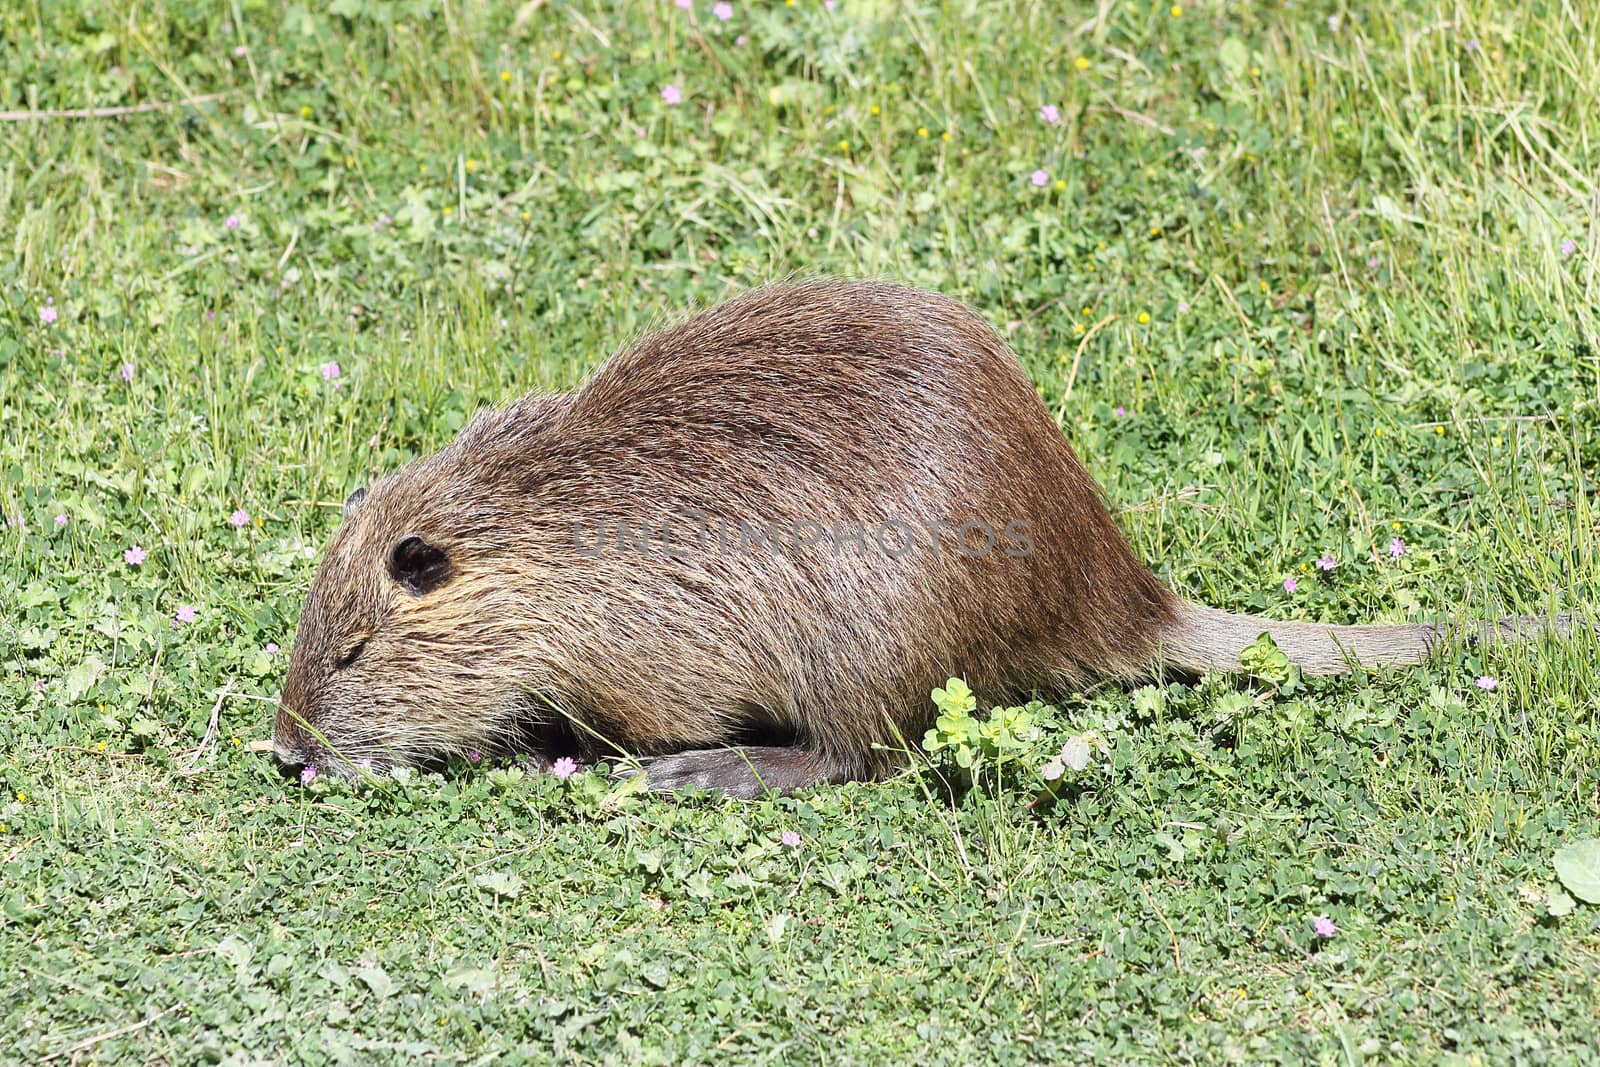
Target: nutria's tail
(1204,638)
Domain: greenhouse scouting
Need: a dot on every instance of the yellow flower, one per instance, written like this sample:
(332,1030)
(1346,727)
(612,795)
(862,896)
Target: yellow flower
(1377,431)
(447,210)
(827,109)
(1083,63)
(1438,431)
(1144,318)
(876,110)
(525,216)
(236,742)
(1255,72)
(1101,246)
(922,131)
(505,75)
(556,54)
(1396,525)
(1497,440)
(305,112)
(472,165)
(788,3)
(422,168)
(22,798)
(1087,311)
(1155,231)
(1176,11)
(349,161)
(1078,327)
(945,136)
(1061,183)
(844,146)
(1264,288)
(101,747)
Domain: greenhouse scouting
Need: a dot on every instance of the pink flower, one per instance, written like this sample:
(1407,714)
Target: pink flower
(1487,682)
(61,519)
(1040,178)
(565,767)
(270,648)
(185,614)
(1568,247)
(1119,411)
(789,839)
(1327,563)
(723,11)
(240,517)
(683,5)
(1050,114)
(1333,23)
(1472,44)
(829,4)
(17,521)
(1397,548)
(308,773)
(672,95)
(126,372)
(47,314)
(1324,926)
(1290,585)
(231,222)
(330,371)
(133,556)
(741,40)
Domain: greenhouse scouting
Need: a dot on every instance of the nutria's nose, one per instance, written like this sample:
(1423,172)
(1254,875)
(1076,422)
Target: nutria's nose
(289,741)
(289,757)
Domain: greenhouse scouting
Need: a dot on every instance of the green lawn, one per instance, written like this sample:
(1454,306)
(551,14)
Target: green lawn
(1298,283)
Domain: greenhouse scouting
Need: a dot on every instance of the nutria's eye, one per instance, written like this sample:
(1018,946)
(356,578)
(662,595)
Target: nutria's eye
(418,566)
(351,656)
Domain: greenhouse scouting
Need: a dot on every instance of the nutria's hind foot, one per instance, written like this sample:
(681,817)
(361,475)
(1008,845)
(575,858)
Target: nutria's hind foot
(745,773)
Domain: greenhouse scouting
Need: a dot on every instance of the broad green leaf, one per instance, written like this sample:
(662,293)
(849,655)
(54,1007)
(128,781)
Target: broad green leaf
(1578,866)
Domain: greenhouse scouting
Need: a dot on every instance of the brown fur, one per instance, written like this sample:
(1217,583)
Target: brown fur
(828,402)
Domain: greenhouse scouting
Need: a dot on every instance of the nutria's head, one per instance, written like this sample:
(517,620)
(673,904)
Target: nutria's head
(414,641)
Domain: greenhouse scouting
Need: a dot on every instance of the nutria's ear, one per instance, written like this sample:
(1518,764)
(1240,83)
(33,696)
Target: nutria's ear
(418,566)
(353,501)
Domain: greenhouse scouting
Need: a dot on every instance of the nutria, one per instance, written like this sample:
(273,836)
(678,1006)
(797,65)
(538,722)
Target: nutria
(746,550)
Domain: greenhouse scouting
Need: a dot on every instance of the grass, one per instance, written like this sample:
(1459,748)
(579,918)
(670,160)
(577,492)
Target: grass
(1365,238)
